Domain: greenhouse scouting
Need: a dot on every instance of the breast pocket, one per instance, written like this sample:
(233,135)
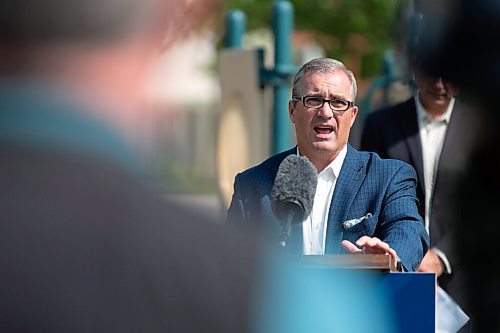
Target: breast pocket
(361,226)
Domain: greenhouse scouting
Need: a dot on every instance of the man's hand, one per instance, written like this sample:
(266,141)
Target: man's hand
(431,264)
(371,245)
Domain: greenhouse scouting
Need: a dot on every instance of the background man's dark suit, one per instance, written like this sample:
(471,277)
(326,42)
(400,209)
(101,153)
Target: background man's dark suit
(394,133)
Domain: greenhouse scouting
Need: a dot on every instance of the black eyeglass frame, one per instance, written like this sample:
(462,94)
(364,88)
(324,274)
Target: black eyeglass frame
(302,99)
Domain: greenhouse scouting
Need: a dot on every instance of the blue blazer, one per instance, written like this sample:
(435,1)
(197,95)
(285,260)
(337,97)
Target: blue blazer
(366,184)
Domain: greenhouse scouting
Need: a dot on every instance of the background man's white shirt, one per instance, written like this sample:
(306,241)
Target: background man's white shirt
(432,134)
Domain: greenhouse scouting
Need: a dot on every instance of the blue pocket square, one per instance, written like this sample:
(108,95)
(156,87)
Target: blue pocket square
(351,223)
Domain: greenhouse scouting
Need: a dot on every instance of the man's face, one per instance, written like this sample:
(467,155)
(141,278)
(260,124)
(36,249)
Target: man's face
(435,94)
(322,133)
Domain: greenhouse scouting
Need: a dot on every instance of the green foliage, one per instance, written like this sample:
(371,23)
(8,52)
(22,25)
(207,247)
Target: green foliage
(175,178)
(344,28)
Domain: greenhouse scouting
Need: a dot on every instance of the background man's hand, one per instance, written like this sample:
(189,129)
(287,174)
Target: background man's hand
(431,264)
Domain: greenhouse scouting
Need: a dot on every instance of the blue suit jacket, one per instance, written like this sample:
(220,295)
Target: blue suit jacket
(366,184)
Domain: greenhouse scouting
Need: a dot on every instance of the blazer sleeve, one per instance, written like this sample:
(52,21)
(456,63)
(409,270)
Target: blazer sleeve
(401,225)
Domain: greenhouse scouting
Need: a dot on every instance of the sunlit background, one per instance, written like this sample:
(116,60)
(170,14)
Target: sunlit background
(183,124)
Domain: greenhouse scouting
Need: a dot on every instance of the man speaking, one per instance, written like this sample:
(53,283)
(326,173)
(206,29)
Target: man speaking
(361,203)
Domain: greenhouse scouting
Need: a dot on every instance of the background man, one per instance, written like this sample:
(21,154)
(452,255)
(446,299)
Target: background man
(434,132)
(351,184)
(476,70)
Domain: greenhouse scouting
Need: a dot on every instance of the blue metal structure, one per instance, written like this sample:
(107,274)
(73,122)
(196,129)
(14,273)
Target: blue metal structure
(235,29)
(278,77)
(382,82)
(283,70)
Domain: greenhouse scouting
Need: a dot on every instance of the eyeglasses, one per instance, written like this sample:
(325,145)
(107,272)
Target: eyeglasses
(316,102)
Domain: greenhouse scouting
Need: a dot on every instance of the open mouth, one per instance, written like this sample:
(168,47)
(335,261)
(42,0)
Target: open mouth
(323,129)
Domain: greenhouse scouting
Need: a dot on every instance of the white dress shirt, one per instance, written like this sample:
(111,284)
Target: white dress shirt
(432,133)
(314,226)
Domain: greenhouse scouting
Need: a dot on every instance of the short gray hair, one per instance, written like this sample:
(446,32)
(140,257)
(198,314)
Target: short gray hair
(323,65)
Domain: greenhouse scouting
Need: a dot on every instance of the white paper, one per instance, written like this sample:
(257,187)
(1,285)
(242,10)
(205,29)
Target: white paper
(449,315)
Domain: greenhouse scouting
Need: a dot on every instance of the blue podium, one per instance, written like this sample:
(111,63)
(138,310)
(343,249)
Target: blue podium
(412,297)
(348,293)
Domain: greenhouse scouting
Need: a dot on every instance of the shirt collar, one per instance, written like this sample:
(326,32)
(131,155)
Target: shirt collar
(424,117)
(335,165)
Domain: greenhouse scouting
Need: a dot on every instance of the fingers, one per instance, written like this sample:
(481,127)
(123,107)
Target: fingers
(350,247)
(393,253)
(370,245)
(373,245)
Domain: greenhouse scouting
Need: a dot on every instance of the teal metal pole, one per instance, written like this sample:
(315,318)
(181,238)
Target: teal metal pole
(282,21)
(388,66)
(235,29)
(382,82)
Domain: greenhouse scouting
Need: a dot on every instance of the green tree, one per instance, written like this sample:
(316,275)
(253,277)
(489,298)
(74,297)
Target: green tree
(347,29)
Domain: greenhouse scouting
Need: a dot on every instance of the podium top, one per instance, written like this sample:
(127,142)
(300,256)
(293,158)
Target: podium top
(379,262)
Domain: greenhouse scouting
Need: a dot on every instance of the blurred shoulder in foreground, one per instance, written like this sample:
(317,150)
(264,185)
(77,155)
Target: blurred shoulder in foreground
(86,245)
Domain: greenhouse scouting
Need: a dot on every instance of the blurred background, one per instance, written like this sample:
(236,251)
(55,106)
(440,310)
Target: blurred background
(195,145)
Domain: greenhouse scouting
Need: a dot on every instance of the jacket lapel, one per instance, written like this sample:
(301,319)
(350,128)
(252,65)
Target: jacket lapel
(452,133)
(409,124)
(351,177)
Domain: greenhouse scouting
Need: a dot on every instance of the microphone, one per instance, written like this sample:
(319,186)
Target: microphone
(293,191)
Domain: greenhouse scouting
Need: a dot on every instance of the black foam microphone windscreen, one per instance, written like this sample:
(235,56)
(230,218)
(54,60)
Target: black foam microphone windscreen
(294,189)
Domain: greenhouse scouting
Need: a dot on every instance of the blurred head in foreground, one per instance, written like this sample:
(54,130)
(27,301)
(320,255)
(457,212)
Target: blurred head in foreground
(100,51)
